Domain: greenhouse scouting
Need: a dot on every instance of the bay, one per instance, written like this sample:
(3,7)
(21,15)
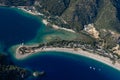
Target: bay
(17,27)
(67,66)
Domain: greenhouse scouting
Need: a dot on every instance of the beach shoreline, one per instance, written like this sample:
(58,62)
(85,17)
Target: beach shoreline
(79,52)
(44,20)
(57,27)
(30,11)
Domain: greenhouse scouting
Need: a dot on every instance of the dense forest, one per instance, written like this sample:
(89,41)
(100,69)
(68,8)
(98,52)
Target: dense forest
(8,70)
(17,2)
(104,14)
(77,13)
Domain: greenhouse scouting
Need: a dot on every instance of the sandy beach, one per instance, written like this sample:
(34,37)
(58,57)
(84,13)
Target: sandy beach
(44,20)
(30,12)
(69,50)
(57,27)
(79,51)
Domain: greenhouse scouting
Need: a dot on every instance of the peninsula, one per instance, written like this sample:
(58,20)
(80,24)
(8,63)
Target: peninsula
(105,38)
(73,47)
(95,23)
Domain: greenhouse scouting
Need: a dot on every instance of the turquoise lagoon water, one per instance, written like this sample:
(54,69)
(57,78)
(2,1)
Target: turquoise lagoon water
(18,27)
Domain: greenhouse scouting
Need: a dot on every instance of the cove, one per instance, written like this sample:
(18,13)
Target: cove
(16,28)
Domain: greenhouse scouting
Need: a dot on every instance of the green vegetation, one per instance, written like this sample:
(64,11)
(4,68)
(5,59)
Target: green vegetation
(8,71)
(54,7)
(106,19)
(17,2)
(74,44)
(13,73)
(75,14)
(104,14)
(81,12)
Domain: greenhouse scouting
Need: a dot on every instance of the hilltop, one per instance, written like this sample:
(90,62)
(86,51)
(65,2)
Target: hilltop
(97,20)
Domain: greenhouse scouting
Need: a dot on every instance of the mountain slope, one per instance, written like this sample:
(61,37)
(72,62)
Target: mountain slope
(77,13)
(107,18)
(101,16)
(84,12)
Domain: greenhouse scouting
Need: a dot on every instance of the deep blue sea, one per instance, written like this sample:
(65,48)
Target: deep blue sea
(17,27)
(66,66)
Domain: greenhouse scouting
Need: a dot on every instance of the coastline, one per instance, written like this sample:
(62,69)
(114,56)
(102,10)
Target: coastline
(43,20)
(79,52)
(36,13)
(69,50)
(30,11)
(57,27)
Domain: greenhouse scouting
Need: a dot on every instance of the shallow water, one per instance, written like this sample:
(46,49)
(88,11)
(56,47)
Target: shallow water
(17,27)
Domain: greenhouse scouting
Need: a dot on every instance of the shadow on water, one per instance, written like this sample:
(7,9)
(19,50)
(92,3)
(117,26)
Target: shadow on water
(16,28)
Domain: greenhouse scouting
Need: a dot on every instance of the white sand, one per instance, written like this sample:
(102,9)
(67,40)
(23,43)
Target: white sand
(30,12)
(57,27)
(78,52)
(70,30)
(87,54)
(44,20)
